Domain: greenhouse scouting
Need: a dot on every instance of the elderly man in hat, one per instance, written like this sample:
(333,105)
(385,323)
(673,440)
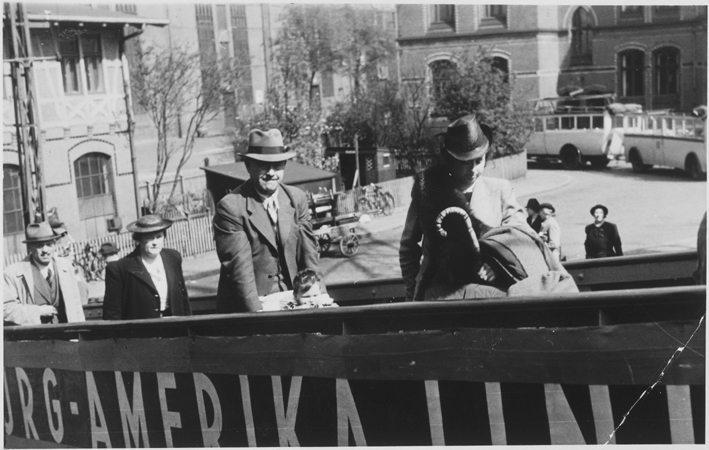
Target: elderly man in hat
(602,238)
(42,288)
(458,172)
(550,231)
(262,229)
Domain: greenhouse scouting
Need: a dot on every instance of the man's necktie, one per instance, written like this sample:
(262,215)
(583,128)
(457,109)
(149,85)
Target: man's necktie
(49,278)
(272,211)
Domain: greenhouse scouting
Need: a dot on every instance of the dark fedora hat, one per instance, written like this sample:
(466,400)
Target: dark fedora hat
(149,224)
(605,210)
(108,249)
(533,204)
(547,206)
(467,139)
(267,146)
(40,232)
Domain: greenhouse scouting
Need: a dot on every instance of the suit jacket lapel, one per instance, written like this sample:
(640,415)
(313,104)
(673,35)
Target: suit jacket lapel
(258,215)
(41,288)
(138,270)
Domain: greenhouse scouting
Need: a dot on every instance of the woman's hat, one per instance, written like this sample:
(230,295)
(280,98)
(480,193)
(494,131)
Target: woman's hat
(108,249)
(605,210)
(149,224)
(40,232)
(547,206)
(467,139)
(533,204)
(267,146)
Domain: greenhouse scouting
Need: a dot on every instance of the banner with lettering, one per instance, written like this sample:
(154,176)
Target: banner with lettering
(625,384)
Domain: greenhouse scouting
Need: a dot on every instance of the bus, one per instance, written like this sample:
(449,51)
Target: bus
(574,130)
(664,139)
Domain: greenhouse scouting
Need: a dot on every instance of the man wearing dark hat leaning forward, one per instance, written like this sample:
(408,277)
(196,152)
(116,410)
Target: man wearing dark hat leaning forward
(262,229)
(602,238)
(459,171)
(42,288)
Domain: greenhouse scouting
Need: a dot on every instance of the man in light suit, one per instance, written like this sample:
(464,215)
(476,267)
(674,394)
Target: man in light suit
(262,229)
(459,170)
(42,288)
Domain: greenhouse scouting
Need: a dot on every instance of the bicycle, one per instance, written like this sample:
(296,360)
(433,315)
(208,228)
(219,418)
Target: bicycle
(377,200)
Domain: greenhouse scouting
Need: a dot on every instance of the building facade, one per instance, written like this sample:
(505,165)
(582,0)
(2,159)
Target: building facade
(652,55)
(79,69)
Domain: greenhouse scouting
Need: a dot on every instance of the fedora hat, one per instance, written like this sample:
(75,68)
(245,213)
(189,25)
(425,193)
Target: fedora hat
(40,232)
(267,146)
(605,210)
(108,248)
(149,224)
(533,204)
(467,139)
(547,206)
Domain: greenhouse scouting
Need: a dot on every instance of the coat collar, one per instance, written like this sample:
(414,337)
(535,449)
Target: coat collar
(259,217)
(26,274)
(135,267)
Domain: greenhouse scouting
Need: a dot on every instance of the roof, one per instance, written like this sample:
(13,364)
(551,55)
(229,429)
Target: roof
(296,173)
(64,12)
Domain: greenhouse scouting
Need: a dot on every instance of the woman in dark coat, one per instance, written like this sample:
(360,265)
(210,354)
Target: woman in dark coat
(148,283)
(602,238)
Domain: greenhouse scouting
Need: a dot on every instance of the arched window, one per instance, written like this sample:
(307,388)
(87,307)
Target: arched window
(666,71)
(441,73)
(94,186)
(632,73)
(12,200)
(503,65)
(581,38)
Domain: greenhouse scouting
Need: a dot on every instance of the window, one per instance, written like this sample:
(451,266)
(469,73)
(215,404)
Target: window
(94,186)
(581,38)
(12,201)
(442,17)
(503,65)
(631,12)
(72,48)
(632,73)
(665,12)
(205,35)
(128,8)
(494,13)
(328,84)
(240,36)
(441,74)
(666,71)
(69,51)
(91,45)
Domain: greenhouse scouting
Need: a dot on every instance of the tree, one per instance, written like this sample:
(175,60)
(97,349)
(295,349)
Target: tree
(479,86)
(170,86)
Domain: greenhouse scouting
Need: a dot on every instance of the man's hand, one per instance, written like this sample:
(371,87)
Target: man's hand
(486,273)
(47,311)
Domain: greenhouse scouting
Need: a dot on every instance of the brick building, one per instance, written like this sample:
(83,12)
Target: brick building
(652,55)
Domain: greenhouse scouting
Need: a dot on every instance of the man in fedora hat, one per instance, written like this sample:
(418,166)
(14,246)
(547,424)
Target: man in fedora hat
(42,288)
(458,172)
(262,229)
(602,238)
(550,231)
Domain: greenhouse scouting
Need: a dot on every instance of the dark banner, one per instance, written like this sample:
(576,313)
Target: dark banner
(628,384)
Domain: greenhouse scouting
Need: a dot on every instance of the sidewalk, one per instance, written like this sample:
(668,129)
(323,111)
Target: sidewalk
(207,264)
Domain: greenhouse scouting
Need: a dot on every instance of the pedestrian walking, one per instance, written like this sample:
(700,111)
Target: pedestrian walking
(550,231)
(534,220)
(602,238)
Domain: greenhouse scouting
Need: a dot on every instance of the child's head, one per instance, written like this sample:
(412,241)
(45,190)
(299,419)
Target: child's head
(306,284)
